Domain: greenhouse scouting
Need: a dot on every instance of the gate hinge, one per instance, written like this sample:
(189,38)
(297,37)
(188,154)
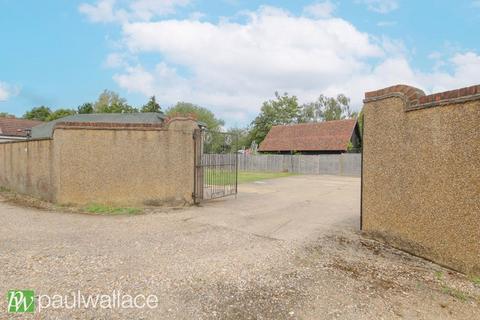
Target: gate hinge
(194,198)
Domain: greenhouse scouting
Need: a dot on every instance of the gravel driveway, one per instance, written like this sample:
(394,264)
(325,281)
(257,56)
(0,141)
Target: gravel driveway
(284,249)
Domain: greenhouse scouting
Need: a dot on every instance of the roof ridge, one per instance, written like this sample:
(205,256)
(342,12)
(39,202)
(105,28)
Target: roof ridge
(319,136)
(312,123)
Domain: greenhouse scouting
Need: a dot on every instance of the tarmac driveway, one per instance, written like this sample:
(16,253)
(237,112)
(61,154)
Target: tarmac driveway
(285,248)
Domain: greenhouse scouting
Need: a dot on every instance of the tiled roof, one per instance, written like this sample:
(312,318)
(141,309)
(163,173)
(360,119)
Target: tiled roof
(320,136)
(16,127)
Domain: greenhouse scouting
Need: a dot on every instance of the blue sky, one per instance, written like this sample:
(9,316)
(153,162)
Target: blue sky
(230,55)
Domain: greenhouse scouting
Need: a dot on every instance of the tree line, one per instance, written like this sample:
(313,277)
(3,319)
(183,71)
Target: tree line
(111,102)
(285,109)
(107,102)
(281,110)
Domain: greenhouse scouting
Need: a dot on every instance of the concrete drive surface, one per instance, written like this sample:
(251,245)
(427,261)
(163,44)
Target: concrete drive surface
(284,249)
(295,208)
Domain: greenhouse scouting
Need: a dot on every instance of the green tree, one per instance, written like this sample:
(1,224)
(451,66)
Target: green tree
(60,113)
(280,111)
(202,114)
(332,108)
(242,136)
(39,113)
(85,108)
(360,122)
(327,109)
(117,108)
(111,102)
(6,115)
(311,112)
(151,106)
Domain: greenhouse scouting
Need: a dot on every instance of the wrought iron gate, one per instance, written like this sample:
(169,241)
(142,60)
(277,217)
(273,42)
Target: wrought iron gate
(216,166)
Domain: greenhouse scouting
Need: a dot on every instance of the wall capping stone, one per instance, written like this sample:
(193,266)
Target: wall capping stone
(121,126)
(181,117)
(411,94)
(109,126)
(26,140)
(415,99)
(440,103)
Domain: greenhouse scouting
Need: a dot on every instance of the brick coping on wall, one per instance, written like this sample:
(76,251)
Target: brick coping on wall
(110,126)
(416,98)
(122,126)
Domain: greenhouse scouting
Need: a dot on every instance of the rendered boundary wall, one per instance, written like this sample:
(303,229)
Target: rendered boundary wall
(105,163)
(421,173)
(27,167)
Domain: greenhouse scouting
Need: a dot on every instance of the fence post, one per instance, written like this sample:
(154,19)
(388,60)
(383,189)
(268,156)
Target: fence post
(341,167)
(334,164)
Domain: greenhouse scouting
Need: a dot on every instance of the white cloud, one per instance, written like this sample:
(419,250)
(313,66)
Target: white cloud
(4,94)
(465,70)
(7,91)
(197,15)
(101,12)
(135,10)
(136,79)
(147,9)
(320,10)
(386,23)
(115,60)
(464,67)
(232,67)
(380,6)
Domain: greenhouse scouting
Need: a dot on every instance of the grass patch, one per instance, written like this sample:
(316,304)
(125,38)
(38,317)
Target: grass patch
(460,295)
(102,209)
(32,202)
(220,178)
(439,275)
(476,281)
(257,176)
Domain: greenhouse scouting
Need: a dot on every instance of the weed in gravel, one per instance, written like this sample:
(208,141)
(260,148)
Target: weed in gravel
(420,285)
(460,295)
(476,281)
(102,209)
(439,275)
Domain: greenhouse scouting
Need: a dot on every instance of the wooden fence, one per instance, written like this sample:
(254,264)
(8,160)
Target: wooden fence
(347,164)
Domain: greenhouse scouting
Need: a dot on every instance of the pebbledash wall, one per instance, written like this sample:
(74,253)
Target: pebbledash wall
(117,164)
(27,167)
(421,173)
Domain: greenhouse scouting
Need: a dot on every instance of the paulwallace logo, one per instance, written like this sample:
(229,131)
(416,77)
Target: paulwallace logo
(21,301)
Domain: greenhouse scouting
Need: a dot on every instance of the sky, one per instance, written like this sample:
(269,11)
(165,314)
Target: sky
(231,55)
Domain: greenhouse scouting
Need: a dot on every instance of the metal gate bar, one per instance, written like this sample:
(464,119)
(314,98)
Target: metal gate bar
(216,165)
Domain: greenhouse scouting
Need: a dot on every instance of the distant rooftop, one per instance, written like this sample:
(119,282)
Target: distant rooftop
(14,127)
(320,136)
(46,130)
